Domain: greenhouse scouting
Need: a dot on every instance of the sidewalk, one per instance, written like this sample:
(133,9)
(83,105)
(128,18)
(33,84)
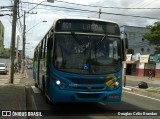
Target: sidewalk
(153,91)
(12,96)
(4,79)
(138,78)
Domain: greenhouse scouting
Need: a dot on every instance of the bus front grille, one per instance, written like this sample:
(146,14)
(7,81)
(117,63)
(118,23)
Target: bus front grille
(82,95)
(87,81)
(89,88)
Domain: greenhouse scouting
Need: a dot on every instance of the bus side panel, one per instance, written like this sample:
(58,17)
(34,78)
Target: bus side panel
(48,61)
(36,66)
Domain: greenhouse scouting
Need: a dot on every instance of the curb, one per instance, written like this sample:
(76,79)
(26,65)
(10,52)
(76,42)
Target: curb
(142,92)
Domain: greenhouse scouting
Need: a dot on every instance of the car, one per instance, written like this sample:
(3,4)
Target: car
(3,68)
(29,66)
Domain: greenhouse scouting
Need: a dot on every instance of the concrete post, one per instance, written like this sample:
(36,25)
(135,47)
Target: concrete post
(12,47)
(23,43)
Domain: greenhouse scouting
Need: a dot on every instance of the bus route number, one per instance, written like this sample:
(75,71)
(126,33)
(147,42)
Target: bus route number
(66,25)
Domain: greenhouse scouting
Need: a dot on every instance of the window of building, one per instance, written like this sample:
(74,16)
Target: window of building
(142,49)
(143,39)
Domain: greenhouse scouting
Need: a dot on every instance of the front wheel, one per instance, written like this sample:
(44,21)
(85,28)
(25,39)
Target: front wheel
(47,100)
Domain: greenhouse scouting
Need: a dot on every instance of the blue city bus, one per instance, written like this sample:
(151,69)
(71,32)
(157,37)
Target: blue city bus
(80,60)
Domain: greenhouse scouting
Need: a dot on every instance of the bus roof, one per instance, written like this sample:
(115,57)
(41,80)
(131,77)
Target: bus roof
(80,18)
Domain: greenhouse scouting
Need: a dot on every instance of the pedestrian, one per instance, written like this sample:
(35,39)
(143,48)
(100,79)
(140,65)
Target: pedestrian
(15,68)
(150,74)
(19,67)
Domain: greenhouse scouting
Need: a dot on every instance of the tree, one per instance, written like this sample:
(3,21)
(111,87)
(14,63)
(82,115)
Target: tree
(154,35)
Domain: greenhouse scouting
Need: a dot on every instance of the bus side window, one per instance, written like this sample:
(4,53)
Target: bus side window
(45,50)
(50,43)
(40,50)
(44,47)
(50,40)
(35,55)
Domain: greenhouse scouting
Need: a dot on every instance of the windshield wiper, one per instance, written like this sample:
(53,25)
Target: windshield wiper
(79,41)
(99,43)
(76,39)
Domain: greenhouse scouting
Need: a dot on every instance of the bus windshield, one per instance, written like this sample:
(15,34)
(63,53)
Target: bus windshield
(87,54)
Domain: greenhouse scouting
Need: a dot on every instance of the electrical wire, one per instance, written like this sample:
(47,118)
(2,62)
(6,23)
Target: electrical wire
(104,6)
(85,10)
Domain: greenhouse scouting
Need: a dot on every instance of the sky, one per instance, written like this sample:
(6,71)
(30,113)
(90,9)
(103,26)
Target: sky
(36,29)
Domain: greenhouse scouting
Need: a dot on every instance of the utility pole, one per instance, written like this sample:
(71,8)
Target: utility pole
(17,52)
(99,13)
(23,43)
(13,36)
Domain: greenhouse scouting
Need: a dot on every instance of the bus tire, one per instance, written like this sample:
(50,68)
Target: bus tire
(48,101)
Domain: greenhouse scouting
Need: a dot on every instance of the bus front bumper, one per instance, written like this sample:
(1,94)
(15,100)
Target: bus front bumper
(58,95)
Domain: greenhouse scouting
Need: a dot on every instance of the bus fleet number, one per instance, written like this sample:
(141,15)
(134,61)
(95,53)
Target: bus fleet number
(66,25)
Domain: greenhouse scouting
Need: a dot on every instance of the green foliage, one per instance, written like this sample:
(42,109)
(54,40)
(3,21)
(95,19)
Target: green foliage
(154,35)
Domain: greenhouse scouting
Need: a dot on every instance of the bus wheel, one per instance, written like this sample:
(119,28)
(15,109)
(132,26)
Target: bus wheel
(47,100)
(36,85)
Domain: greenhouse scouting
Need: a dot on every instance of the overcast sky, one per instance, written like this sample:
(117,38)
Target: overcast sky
(36,28)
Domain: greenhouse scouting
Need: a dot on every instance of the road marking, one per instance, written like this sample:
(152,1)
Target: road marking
(127,88)
(35,90)
(143,96)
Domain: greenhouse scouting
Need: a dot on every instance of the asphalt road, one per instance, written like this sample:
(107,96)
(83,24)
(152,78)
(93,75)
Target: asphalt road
(130,103)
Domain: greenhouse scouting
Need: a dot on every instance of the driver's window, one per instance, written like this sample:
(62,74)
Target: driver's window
(110,50)
(58,56)
(115,53)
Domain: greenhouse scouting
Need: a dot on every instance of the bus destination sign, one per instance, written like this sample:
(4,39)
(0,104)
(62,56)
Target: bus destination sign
(67,25)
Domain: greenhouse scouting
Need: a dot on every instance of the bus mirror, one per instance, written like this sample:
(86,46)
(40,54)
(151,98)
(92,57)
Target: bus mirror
(50,43)
(123,50)
(126,43)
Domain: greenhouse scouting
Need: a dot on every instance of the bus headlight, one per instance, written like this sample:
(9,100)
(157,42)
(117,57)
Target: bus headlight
(58,82)
(61,85)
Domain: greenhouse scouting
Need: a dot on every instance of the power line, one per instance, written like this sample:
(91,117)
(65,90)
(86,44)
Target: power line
(141,4)
(3,7)
(85,10)
(103,6)
(5,10)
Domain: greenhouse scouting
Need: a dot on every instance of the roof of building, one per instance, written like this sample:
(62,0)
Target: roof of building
(133,26)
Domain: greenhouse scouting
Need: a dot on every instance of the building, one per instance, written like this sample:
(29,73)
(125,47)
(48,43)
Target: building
(137,43)
(140,54)
(1,38)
